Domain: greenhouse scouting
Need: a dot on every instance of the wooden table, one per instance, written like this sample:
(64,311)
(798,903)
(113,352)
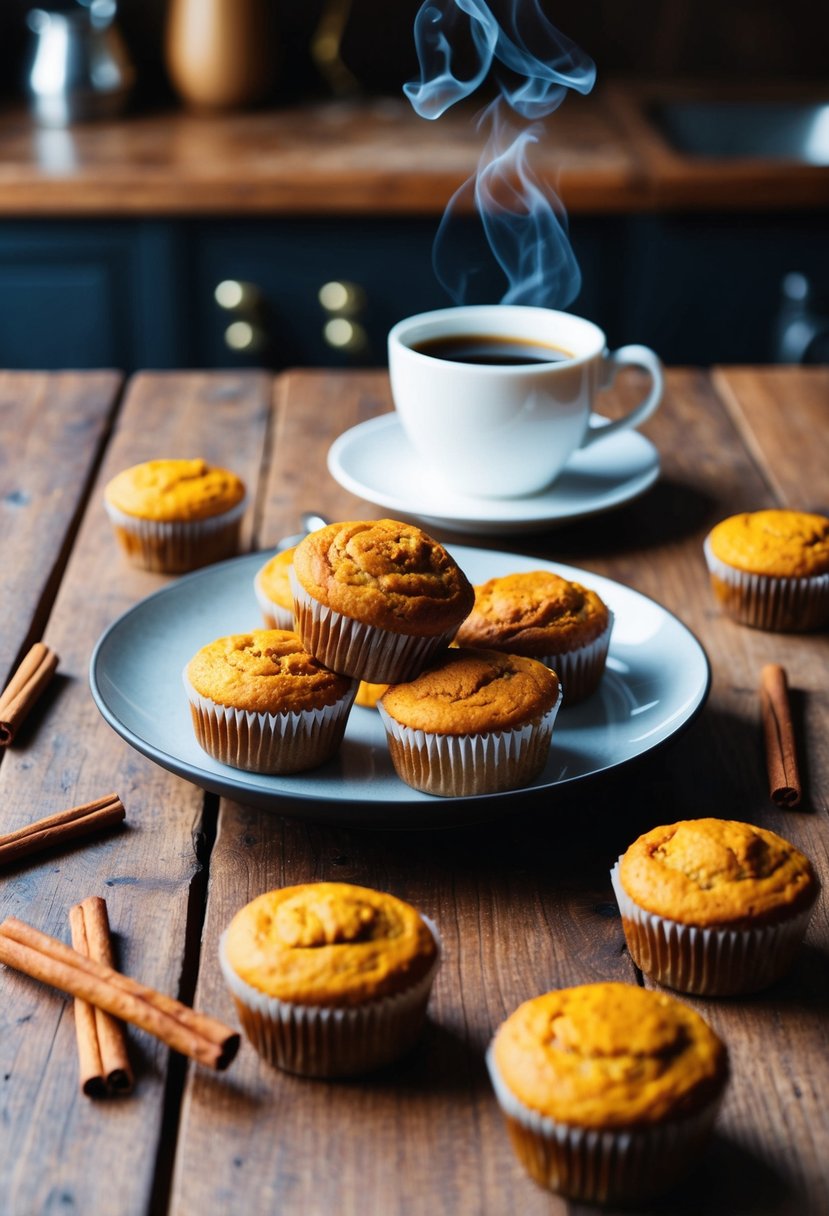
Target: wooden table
(523,902)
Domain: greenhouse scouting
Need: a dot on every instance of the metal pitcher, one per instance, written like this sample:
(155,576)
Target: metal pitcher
(80,68)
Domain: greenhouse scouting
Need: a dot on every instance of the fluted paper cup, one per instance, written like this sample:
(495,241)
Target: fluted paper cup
(269,743)
(274,616)
(175,546)
(365,652)
(331,1041)
(580,671)
(708,962)
(615,1165)
(458,766)
(783,605)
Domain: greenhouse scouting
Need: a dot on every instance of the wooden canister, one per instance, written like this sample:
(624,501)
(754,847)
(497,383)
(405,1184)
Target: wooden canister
(220,54)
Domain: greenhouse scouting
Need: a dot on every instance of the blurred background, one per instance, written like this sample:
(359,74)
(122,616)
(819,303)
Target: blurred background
(274,202)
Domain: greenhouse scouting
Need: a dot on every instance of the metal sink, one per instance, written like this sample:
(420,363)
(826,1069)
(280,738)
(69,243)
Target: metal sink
(793,131)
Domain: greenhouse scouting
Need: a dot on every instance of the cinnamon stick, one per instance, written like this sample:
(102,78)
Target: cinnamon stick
(80,820)
(90,1064)
(44,958)
(779,737)
(24,688)
(102,1047)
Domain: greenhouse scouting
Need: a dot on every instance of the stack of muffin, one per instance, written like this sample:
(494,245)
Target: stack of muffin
(468,681)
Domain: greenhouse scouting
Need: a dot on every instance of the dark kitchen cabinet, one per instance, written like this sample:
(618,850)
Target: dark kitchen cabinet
(387,262)
(699,288)
(709,288)
(143,294)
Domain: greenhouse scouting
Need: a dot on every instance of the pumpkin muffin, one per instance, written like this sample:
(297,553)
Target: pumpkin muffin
(714,906)
(475,722)
(543,616)
(260,702)
(330,979)
(770,569)
(175,515)
(377,599)
(272,588)
(608,1090)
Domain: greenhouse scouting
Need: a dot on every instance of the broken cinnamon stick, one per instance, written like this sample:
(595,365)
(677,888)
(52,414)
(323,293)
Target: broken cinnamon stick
(779,737)
(102,1046)
(80,820)
(44,958)
(24,688)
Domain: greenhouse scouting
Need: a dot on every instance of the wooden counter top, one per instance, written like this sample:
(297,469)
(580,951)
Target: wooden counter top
(370,157)
(354,158)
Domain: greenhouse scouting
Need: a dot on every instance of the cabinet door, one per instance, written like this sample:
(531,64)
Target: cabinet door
(384,268)
(705,289)
(87,294)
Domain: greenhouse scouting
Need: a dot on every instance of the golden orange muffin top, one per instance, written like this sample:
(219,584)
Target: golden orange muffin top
(473,691)
(266,671)
(369,694)
(537,613)
(779,544)
(717,872)
(609,1055)
(174,490)
(273,579)
(329,943)
(384,573)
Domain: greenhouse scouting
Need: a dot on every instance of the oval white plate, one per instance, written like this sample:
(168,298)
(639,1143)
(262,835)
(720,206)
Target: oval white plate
(657,680)
(375,461)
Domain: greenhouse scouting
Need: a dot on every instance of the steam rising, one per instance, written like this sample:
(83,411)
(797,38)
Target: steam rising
(523,221)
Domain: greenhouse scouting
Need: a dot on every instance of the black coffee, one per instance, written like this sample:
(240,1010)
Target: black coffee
(490,349)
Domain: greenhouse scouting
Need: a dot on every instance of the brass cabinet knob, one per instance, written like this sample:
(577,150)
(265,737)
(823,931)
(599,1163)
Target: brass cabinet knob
(345,335)
(342,298)
(235,295)
(245,337)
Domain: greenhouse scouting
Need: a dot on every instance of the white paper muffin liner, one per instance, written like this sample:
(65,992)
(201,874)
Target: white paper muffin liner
(615,1165)
(275,616)
(174,546)
(268,743)
(784,605)
(365,652)
(581,670)
(708,962)
(327,1041)
(458,766)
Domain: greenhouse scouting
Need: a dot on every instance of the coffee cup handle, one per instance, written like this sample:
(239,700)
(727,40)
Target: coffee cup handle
(629,356)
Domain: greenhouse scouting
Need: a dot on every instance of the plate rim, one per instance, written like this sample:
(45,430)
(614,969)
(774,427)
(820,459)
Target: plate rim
(530,518)
(409,800)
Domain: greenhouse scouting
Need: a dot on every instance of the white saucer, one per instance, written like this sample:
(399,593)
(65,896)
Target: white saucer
(375,461)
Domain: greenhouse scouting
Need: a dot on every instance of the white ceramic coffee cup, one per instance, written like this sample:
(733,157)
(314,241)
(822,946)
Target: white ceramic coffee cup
(507,431)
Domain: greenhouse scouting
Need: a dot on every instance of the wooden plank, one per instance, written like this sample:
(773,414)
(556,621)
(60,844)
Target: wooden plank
(770,1149)
(52,429)
(524,903)
(61,1149)
(782,413)
(312,409)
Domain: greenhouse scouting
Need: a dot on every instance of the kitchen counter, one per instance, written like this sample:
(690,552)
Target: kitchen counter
(369,157)
(522,897)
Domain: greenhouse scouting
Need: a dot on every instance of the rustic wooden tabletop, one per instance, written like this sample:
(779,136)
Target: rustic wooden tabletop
(523,901)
